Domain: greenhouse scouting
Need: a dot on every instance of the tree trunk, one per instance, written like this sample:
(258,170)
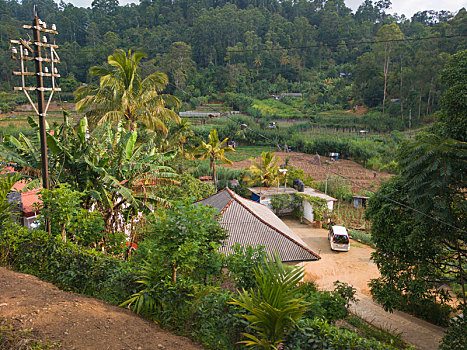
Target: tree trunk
(428,103)
(174,273)
(429,98)
(400,92)
(461,270)
(419,106)
(213,167)
(410,119)
(64,233)
(387,52)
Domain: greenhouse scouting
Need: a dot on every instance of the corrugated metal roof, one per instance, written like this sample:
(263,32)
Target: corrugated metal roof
(218,200)
(250,223)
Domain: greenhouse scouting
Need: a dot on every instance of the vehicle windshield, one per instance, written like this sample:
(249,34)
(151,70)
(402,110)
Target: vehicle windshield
(341,239)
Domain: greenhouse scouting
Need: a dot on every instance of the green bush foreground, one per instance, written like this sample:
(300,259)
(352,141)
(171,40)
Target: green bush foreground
(199,311)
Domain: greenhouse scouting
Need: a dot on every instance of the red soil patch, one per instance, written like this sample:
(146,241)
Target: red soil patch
(351,170)
(77,322)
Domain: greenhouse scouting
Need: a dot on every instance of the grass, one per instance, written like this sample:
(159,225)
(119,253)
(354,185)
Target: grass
(362,237)
(369,331)
(355,245)
(274,108)
(246,152)
(14,338)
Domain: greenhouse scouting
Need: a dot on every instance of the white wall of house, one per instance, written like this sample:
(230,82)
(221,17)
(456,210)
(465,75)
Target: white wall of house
(308,211)
(31,222)
(307,208)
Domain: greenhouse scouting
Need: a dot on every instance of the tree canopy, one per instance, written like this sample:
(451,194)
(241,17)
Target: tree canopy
(124,96)
(256,48)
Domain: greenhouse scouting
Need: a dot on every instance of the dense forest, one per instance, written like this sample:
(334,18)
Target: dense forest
(336,58)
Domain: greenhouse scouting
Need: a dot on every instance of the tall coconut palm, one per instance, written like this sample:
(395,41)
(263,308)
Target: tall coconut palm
(265,171)
(214,150)
(123,95)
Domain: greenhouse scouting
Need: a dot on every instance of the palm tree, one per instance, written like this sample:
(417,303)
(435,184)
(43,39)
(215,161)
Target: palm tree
(265,171)
(274,305)
(214,150)
(123,95)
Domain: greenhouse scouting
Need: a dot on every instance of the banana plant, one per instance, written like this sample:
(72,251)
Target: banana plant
(265,171)
(106,164)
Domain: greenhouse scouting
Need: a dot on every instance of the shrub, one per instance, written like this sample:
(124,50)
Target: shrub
(281,201)
(346,291)
(275,304)
(68,218)
(362,237)
(213,322)
(240,264)
(189,187)
(337,188)
(317,334)
(456,335)
(326,305)
(67,265)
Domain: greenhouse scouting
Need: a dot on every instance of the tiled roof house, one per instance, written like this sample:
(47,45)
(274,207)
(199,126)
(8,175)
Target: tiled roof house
(250,223)
(29,199)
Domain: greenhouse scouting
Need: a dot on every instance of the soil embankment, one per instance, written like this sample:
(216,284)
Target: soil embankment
(78,322)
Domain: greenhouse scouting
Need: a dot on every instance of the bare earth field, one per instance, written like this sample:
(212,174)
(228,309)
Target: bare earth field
(356,268)
(347,168)
(78,322)
(24,111)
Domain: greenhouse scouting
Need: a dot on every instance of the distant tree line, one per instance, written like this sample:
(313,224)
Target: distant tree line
(257,48)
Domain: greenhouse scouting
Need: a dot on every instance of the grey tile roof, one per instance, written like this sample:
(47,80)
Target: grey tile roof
(250,223)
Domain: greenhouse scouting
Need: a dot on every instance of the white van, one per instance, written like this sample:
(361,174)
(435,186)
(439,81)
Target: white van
(339,238)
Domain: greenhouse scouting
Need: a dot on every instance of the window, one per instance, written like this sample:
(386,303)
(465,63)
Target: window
(341,239)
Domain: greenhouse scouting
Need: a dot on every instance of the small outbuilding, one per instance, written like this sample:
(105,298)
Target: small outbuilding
(359,201)
(251,223)
(264,195)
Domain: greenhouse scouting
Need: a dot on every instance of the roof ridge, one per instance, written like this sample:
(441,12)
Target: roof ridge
(269,225)
(227,205)
(212,195)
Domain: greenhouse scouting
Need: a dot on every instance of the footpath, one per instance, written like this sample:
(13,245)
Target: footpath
(419,333)
(357,268)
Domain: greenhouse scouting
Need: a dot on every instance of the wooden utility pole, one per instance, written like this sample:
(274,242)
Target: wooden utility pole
(40,101)
(42,64)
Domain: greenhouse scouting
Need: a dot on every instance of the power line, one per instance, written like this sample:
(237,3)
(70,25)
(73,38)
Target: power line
(337,42)
(348,43)
(342,42)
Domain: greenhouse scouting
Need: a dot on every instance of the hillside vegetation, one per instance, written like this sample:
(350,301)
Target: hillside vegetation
(337,59)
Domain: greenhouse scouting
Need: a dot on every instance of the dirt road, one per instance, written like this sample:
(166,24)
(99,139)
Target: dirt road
(77,322)
(355,267)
